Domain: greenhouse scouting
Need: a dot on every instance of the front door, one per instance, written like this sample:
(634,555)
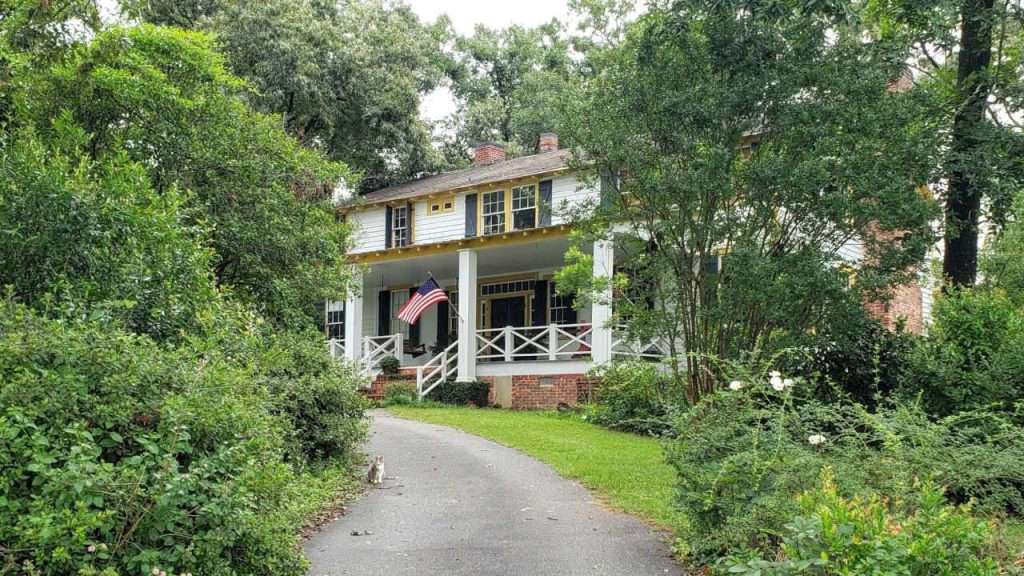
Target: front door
(508,312)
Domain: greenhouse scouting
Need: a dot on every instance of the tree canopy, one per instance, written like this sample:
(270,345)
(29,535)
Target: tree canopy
(737,183)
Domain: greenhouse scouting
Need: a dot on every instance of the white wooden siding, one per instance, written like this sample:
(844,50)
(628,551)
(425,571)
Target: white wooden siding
(568,191)
(368,229)
(440,227)
(369,226)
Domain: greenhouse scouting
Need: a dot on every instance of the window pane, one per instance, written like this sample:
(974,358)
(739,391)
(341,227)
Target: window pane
(494,212)
(524,207)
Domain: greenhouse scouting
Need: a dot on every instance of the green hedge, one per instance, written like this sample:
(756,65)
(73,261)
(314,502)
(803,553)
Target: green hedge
(461,393)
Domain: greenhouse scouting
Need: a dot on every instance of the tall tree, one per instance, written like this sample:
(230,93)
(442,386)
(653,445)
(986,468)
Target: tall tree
(755,143)
(968,54)
(346,77)
(509,85)
(164,97)
(966,187)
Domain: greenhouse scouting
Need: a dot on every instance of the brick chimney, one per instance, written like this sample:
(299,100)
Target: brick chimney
(488,153)
(548,142)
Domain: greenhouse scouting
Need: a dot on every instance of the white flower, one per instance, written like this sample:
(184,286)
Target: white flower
(777,383)
(90,549)
(735,385)
(816,439)
(775,374)
(787,382)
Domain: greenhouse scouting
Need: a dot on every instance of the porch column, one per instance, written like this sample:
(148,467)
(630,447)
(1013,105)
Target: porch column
(601,307)
(354,320)
(467,316)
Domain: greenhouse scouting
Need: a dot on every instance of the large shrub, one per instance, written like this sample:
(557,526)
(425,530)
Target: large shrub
(121,457)
(836,536)
(461,393)
(858,359)
(635,396)
(315,393)
(744,453)
(973,354)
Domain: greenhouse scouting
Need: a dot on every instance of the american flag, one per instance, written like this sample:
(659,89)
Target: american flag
(428,294)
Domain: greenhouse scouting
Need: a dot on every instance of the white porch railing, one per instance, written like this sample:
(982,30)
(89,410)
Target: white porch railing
(551,342)
(656,347)
(336,347)
(376,348)
(437,369)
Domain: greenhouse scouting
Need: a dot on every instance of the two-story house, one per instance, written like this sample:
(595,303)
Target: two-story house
(492,235)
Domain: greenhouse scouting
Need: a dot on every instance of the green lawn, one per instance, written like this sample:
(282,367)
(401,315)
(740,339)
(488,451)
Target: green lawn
(628,471)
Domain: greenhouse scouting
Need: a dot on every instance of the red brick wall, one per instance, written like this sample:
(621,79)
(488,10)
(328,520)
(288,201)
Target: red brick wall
(380,384)
(543,391)
(905,305)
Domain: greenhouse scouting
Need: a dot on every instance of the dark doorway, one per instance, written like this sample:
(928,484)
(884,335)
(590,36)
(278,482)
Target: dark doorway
(508,312)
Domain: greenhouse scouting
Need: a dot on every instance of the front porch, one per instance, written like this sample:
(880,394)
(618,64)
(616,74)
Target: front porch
(506,320)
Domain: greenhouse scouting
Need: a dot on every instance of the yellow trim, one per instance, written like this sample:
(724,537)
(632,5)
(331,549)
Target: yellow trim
(440,202)
(507,193)
(475,188)
(495,240)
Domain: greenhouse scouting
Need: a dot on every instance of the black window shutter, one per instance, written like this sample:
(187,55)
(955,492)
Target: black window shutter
(414,329)
(540,303)
(545,203)
(442,323)
(384,313)
(387,226)
(410,223)
(470,215)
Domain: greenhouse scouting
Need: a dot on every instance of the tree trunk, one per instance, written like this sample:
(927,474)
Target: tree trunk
(963,202)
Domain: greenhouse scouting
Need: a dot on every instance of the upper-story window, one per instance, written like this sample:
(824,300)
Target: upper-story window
(492,212)
(524,207)
(401,232)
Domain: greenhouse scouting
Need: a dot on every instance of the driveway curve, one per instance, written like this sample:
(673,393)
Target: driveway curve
(455,504)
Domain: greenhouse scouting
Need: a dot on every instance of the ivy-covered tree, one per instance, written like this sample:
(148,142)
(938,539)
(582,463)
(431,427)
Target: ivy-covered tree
(745,147)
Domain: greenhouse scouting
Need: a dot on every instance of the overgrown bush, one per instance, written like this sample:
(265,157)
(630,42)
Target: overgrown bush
(635,396)
(399,394)
(461,393)
(858,359)
(742,455)
(317,394)
(973,354)
(835,535)
(122,456)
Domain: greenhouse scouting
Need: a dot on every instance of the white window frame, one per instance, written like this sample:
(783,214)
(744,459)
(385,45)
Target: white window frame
(521,202)
(496,202)
(400,235)
(557,305)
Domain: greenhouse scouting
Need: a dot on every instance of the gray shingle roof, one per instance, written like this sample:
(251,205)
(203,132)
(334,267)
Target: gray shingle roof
(522,167)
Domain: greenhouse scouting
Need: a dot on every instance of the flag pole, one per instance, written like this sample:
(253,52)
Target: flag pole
(450,303)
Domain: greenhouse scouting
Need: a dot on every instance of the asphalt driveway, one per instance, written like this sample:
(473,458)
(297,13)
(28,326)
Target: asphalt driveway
(455,504)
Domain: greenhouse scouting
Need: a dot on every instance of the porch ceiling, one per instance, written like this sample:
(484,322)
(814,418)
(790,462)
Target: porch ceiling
(491,261)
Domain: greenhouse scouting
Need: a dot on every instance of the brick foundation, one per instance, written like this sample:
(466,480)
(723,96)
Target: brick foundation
(380,384)
(539,392)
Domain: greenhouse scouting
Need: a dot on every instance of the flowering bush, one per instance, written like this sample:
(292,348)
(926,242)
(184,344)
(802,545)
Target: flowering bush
(744,453)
